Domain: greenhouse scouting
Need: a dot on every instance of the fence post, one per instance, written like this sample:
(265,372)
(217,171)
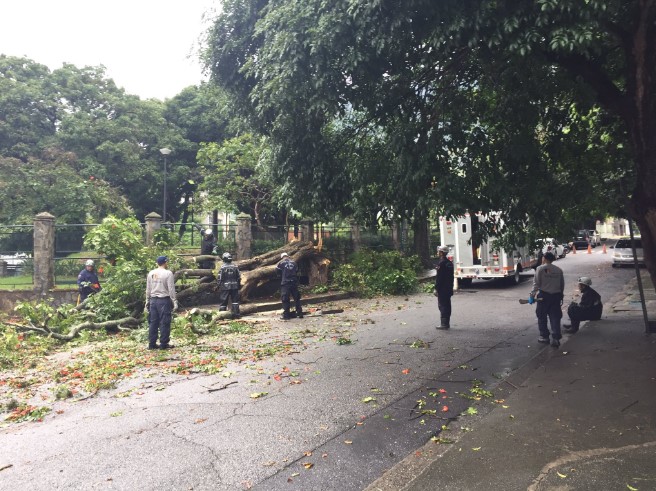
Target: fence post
(244,236)
(3,269)
(307,230)
(153,224)
(44,253)
(356,236)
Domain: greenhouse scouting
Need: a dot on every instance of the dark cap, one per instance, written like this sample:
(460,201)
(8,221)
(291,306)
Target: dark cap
(162,259)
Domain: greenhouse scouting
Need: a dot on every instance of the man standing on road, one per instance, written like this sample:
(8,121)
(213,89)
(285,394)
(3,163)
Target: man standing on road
(229,281)
(548,288)
(444,287)
(588,309)
(87,281)
(287,269)
(160,304)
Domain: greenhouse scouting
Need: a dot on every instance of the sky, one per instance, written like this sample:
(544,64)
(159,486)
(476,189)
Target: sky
(148,47)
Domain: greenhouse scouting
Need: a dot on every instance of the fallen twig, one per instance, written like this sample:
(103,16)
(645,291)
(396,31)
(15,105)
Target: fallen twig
(222,387)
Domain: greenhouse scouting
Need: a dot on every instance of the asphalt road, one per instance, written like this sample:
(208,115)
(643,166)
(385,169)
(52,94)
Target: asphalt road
(337,418)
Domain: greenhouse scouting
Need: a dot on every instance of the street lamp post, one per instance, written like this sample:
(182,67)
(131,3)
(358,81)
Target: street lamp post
(164,151)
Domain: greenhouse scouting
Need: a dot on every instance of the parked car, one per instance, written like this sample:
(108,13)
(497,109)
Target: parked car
(580,241)
(553,246)
(623,252)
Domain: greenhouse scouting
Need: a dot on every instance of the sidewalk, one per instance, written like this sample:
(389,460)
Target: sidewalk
(579,418)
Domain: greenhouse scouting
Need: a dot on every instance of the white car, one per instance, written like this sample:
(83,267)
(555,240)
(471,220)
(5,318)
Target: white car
(553,246)
(623,252)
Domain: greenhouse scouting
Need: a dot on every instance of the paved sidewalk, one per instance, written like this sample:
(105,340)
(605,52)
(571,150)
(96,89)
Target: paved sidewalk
(579,418)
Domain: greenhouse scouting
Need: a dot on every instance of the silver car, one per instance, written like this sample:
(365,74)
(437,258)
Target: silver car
(623,253)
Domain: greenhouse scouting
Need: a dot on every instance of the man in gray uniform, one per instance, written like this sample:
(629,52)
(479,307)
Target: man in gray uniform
(160,304)
(548,288)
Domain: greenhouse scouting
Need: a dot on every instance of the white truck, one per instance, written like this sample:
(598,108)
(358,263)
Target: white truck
(474,258)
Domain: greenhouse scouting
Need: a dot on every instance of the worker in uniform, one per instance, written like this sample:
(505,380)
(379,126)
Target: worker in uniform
(589,308)
(229,280)
(160,304)
(87,281)
(207,249)
(288,270)
(444,286)
(548,288)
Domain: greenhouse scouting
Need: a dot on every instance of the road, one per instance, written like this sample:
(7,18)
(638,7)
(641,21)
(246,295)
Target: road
(332,416)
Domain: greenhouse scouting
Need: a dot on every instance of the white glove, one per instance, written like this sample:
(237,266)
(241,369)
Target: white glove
(175,305)
(147,306)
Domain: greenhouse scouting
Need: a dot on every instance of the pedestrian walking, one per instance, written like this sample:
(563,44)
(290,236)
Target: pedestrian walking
(160,304)
(87,281)
(229,281)
(588,309)
(444,287)
(548,288)
(288,270)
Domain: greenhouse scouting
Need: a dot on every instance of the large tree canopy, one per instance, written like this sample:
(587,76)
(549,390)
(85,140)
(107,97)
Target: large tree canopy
(541,110)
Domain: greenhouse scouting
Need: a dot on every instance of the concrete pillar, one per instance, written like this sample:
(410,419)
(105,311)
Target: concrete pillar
(356,236)
(396,235)
(307,230)
(153,224)
(44,253)
(244,236)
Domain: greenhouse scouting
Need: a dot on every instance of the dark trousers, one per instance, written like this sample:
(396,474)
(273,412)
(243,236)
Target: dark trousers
(549,308)
(159,320)
(444,304)
(577,314)
(224,295)
(287,291)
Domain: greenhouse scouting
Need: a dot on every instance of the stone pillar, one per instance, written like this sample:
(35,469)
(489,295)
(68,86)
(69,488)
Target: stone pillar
(153,224)
(396,235)
(307,230)
(44,253)
(356,236)
(3,269)
(244,236)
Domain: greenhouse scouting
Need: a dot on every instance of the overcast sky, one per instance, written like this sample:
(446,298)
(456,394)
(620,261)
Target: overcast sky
(149,47)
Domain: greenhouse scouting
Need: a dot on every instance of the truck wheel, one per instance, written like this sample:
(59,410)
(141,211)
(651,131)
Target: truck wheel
(464,282)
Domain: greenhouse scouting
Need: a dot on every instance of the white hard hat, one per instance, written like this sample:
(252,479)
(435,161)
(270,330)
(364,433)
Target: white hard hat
(443,249)
(208,231)
(89,262)
(584,280)
(284,254)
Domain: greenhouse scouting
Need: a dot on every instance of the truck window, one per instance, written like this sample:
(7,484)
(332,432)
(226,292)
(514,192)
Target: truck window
(464,228)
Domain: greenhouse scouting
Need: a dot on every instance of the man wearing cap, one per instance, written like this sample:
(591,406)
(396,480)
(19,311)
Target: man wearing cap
(87,281)
(229,280)
(588,309)
(160,304)
(444,287)
(287,269)
(548,288)
(207,249)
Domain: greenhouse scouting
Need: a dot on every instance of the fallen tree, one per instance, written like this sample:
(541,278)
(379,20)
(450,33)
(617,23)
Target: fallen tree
(44,330)
(255,272)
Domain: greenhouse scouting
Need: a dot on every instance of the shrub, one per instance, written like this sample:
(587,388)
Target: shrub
(379,273)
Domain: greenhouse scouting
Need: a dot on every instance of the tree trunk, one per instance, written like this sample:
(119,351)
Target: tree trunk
(255,272)
(420,229)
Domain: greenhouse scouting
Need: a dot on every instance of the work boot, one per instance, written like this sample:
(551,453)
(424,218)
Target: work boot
(223,309)
(235,311)
(555,343)
(542,339)
(299,315)
(444,323)
(285,316)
